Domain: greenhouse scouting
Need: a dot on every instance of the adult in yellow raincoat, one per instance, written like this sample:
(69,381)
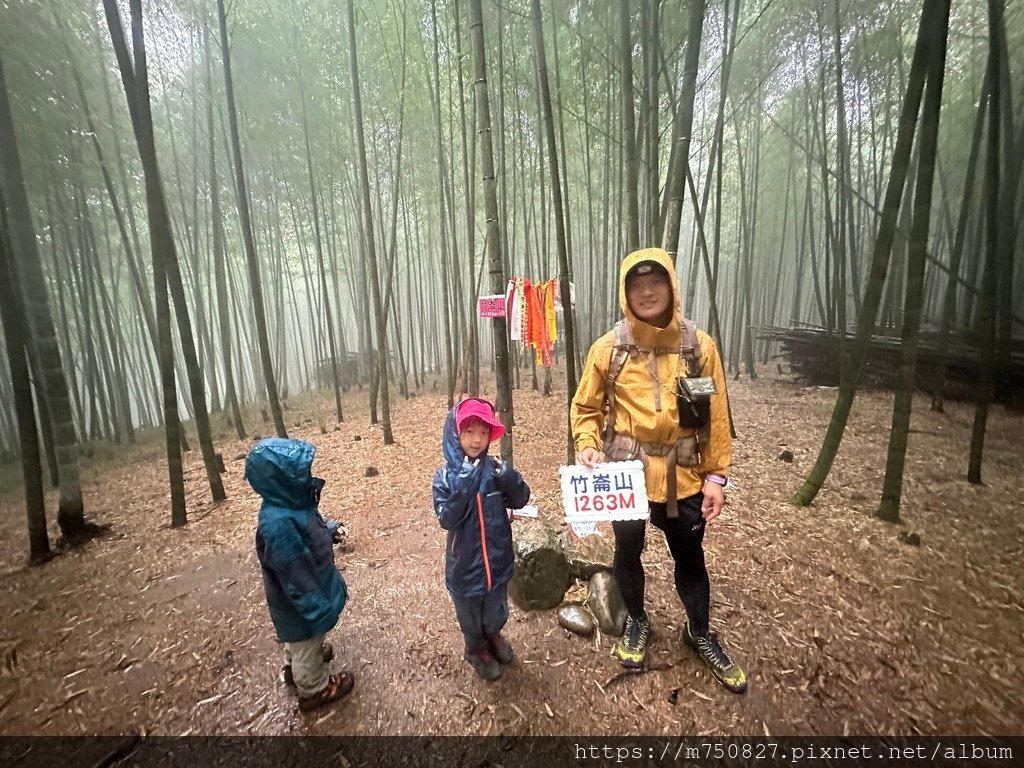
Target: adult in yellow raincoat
(638,415)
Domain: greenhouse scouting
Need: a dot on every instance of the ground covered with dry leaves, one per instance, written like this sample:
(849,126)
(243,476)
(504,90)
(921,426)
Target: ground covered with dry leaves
(843,627)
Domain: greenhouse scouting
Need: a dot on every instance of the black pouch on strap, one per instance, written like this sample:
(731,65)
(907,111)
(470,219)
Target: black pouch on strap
(693,398)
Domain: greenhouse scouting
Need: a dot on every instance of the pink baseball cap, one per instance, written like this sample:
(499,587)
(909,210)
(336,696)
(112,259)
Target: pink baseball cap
(481,409)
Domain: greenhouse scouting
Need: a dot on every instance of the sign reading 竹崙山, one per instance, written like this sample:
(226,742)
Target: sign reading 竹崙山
(491,306)
(612,491)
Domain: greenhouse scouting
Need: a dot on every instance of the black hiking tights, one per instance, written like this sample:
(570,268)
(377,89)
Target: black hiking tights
(685,536)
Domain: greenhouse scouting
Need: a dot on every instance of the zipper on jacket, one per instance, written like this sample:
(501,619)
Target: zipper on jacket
(483,540)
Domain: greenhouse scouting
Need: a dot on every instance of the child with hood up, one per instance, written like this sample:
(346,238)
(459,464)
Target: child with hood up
(473,492)
(305,592)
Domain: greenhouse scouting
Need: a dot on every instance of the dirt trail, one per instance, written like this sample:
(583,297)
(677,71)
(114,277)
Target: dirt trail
(842,627)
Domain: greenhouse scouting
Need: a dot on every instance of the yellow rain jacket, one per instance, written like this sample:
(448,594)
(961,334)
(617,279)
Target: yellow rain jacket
(635,412)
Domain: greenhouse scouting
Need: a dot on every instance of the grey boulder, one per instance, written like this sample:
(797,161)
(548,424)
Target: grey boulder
(605,602)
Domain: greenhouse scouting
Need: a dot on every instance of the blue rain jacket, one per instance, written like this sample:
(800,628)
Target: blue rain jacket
(471,503)
(305,592)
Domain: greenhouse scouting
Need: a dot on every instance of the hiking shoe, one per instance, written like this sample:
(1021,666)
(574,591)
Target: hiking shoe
(338,687)
(286,670)
(500,649)
(724,669)
(483,663)
(631,649)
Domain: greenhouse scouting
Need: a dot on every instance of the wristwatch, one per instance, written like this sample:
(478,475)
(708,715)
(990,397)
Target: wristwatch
(721,480)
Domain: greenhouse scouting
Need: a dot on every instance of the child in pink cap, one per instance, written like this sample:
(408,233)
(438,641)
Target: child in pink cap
(472,495)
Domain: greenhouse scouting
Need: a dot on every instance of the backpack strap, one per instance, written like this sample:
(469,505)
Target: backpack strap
(689,347)
(625,346)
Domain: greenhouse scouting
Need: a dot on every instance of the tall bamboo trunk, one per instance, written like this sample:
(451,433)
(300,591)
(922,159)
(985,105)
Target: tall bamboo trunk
(715,154)
(162,239)
(892,485)
(43,341)
(957,249)
(993,232)
(16,334)
(492,236)
(371,248)
(923,50)
(137,95)
(682,129)
(448,340)
(564,272)
(252,262)
(632,222)
(844,188)
(219,255)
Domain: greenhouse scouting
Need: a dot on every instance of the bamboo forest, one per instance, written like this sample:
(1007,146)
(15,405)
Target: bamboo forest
(640,369)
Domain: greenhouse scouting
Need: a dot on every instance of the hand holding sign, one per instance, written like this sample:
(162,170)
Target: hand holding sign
(609,491)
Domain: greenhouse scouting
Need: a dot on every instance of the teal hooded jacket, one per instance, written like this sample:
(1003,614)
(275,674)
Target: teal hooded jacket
(305,592)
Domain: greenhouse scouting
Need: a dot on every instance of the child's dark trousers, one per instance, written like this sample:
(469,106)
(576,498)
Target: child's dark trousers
(482,616)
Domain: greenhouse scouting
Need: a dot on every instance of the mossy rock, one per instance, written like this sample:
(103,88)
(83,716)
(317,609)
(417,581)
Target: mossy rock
(588,555)
(541,571)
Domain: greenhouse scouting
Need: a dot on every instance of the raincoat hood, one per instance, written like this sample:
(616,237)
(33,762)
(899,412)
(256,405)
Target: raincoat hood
(450,446)
(278,469)
(650,336)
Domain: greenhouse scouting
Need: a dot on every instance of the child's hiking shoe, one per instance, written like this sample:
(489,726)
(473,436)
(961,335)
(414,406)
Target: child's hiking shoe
(286,670)
(483,663)
(723,668)
(338,687)
(631,649)
(500,649)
